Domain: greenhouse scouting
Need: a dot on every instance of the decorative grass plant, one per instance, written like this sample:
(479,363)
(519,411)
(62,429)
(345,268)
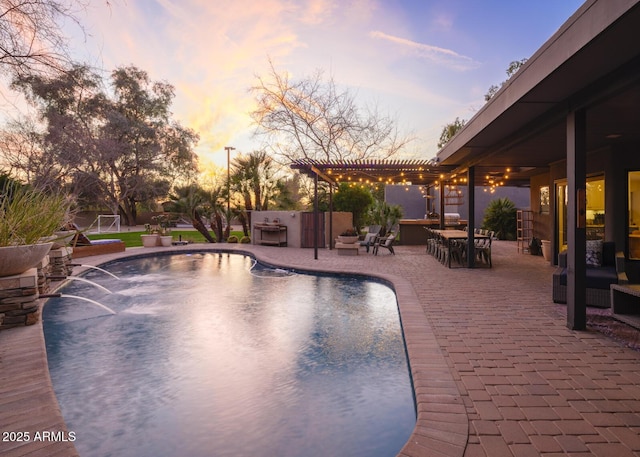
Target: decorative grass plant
(27,216)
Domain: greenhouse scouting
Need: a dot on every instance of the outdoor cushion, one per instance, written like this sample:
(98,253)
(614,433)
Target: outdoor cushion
(608,254)
(597,277)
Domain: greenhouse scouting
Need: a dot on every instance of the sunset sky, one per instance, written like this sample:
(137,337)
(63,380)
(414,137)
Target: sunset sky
(424,62)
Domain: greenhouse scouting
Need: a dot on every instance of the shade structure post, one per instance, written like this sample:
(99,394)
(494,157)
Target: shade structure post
(576,220)
(315,217)
(471,225)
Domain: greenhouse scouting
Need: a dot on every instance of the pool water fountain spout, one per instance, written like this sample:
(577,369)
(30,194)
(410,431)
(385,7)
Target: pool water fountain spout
(77,278)
(94,268)
(56,295)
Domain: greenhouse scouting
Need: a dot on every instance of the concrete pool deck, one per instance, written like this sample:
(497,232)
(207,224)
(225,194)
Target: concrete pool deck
(495,370)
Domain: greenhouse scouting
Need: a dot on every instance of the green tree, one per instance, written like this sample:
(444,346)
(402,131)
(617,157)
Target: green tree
(214,206)
(147,145)
(191,200)
(354,199)
(254,177)
(511,70)
(56,147)
(288,195)
(500,217)
(385,215)
(120,149)
(449,131)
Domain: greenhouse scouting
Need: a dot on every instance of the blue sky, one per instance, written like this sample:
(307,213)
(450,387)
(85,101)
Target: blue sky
(423,62)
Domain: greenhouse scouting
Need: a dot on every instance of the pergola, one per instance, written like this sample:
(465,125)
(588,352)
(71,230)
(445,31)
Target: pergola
(428,173)
(417,172)
(373,171)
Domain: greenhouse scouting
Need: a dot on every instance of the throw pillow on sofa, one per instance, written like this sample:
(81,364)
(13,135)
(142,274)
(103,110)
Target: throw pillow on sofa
(594,253)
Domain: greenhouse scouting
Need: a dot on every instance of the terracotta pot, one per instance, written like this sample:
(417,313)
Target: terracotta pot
(18,259)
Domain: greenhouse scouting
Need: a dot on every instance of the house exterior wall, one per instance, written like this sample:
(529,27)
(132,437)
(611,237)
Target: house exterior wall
(613,164)
(542,220)
(341,221)
(291,219)
(623,158)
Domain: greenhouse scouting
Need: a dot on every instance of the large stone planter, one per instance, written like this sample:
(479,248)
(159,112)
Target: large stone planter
(347,239)
(15,260)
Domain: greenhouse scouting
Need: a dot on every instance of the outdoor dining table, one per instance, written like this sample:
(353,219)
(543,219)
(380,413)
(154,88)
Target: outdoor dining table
(456,235)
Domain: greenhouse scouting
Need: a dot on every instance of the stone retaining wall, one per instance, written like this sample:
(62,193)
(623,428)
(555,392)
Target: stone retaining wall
(19,294)
(60,261)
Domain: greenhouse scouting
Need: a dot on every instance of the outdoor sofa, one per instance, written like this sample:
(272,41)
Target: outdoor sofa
(599,278)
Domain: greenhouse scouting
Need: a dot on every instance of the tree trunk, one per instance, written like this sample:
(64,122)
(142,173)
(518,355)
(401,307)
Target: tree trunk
(129,211)
(248,206)
(216,225)
(124,216)
(196,220)
(242,217)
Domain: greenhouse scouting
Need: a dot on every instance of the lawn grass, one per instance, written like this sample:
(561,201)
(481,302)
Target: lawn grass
(132,239)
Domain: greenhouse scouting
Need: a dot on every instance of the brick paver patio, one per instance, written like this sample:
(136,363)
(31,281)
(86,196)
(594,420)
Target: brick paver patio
(496,371)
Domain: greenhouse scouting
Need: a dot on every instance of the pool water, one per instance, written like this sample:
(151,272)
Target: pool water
(215,355)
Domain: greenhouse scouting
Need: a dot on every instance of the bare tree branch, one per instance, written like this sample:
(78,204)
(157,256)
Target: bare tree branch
(312,118)
(31,40)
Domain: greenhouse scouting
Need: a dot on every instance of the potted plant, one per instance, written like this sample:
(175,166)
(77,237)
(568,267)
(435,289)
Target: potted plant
(164,232)
(28,219)
(349,236)
(157,234)
(151,237)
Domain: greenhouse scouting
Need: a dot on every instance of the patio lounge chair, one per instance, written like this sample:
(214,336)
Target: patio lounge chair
(385,242)
(84,247)
(370,237)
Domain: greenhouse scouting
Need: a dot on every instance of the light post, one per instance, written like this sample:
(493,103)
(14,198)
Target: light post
(229,149)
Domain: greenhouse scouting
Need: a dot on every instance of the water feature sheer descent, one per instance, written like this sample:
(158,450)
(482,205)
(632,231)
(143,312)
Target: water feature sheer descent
(205,357)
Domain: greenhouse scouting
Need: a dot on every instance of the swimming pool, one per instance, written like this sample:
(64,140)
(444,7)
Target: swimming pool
(209,356)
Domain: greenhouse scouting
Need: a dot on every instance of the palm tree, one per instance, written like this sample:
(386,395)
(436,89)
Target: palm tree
(500,216)
(214,199)
(190,200)
(253,177)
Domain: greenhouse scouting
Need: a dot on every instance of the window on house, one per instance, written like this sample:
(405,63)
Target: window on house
(634,214)
(595,210)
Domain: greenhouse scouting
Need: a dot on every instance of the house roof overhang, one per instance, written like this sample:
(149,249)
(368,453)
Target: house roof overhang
(592,62)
